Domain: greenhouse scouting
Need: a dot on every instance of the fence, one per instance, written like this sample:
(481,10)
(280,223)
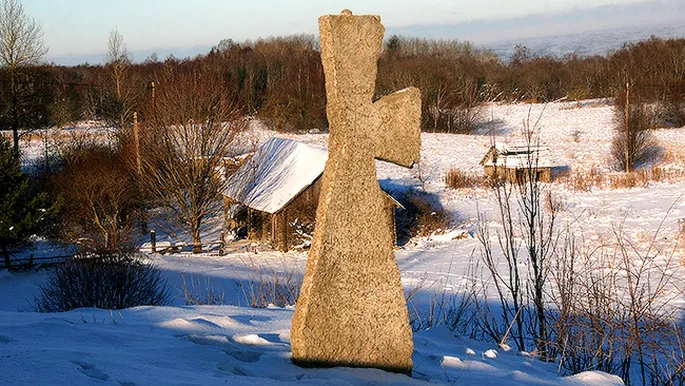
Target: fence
(31,262)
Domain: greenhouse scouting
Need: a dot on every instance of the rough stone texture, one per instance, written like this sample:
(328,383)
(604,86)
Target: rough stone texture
(351,310)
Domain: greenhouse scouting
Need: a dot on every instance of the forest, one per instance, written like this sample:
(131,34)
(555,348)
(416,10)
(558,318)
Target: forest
(280,81)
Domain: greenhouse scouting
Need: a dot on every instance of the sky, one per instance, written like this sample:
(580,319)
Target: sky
(77,30)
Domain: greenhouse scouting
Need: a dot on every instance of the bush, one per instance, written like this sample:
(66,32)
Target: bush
(114,282)
(423,215)
(102,199)
(23,213)
(636,146)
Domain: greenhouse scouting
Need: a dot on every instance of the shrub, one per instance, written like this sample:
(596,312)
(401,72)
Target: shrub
(672,107)
(113,281)
(22,212)
(636,145)
(102,199)
(423,215)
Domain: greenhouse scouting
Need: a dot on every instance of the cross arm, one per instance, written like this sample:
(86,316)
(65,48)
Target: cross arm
(397,137)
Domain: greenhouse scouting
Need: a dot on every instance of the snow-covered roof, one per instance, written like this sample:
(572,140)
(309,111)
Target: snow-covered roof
(517,156)
(277,172)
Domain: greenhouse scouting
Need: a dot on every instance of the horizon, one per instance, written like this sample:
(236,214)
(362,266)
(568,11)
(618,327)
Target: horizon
(185,29)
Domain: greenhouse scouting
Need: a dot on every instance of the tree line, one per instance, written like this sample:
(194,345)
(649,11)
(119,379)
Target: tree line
(280,80)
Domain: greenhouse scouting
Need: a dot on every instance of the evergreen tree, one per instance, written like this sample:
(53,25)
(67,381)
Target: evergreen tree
(22,213)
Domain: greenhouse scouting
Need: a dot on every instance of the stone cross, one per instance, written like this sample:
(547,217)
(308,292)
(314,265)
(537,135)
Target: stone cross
(351,310)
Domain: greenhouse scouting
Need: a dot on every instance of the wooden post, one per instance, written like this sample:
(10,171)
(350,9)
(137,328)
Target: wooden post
(136,139)
(222,244)
(153,241)
(627,123)
(285,242)
(152,96)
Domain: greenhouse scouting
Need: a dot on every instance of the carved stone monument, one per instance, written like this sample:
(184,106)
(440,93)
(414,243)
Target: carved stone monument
(351,310)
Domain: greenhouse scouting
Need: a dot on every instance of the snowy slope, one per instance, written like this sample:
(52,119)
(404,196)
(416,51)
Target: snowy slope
(203,345)
(230,345)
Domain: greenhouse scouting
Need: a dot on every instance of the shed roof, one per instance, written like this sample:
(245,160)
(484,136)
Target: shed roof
(517,156)
(277,172)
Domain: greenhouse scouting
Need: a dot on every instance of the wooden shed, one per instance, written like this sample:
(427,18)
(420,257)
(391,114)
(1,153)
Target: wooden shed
(513,162)
(276,192)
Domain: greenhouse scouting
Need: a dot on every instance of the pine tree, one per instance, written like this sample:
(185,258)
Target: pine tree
(22,214)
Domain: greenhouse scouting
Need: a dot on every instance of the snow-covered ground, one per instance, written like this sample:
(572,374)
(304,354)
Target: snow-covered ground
(209,345)
(235,344)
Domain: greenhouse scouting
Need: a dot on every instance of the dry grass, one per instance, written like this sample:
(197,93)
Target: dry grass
(456,179)
(200,290)
(594,179)
(265,286)
(583,181)
(680,237)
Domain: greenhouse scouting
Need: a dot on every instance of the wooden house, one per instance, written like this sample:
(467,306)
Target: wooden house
(513,162)
(275,193)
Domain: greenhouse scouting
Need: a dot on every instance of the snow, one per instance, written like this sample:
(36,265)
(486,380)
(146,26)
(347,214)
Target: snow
(278,171)
(181,344)
(206,345)
(595,377)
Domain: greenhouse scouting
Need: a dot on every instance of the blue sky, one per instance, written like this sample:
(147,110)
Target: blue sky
(79,29)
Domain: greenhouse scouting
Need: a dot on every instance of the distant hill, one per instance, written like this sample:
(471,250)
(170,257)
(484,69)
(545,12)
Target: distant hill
(599,42)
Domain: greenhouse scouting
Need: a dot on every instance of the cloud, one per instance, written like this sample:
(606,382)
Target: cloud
(550,24)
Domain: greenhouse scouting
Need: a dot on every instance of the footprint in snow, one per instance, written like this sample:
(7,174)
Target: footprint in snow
(251,319)
(90,370)
(231,368)
(6,339)
(245,356)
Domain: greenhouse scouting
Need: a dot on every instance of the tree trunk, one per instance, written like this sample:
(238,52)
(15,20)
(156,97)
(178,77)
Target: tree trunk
(197,242)
(629,142)
(14,107)
(6,256)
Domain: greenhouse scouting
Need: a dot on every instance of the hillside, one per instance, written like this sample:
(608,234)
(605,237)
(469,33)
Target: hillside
(237,344)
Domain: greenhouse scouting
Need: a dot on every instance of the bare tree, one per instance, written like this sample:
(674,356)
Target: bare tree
(101,198)
(121,102)
(633,144)
(21,46)
(539,234)
(117,57)
(189,132)
(528,215)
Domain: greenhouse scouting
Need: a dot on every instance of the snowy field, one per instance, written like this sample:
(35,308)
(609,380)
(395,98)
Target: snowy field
(236,344)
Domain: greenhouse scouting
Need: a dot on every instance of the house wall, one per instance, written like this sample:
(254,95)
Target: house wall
(258,225)
(303,209)
(516,175)
(277,229)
